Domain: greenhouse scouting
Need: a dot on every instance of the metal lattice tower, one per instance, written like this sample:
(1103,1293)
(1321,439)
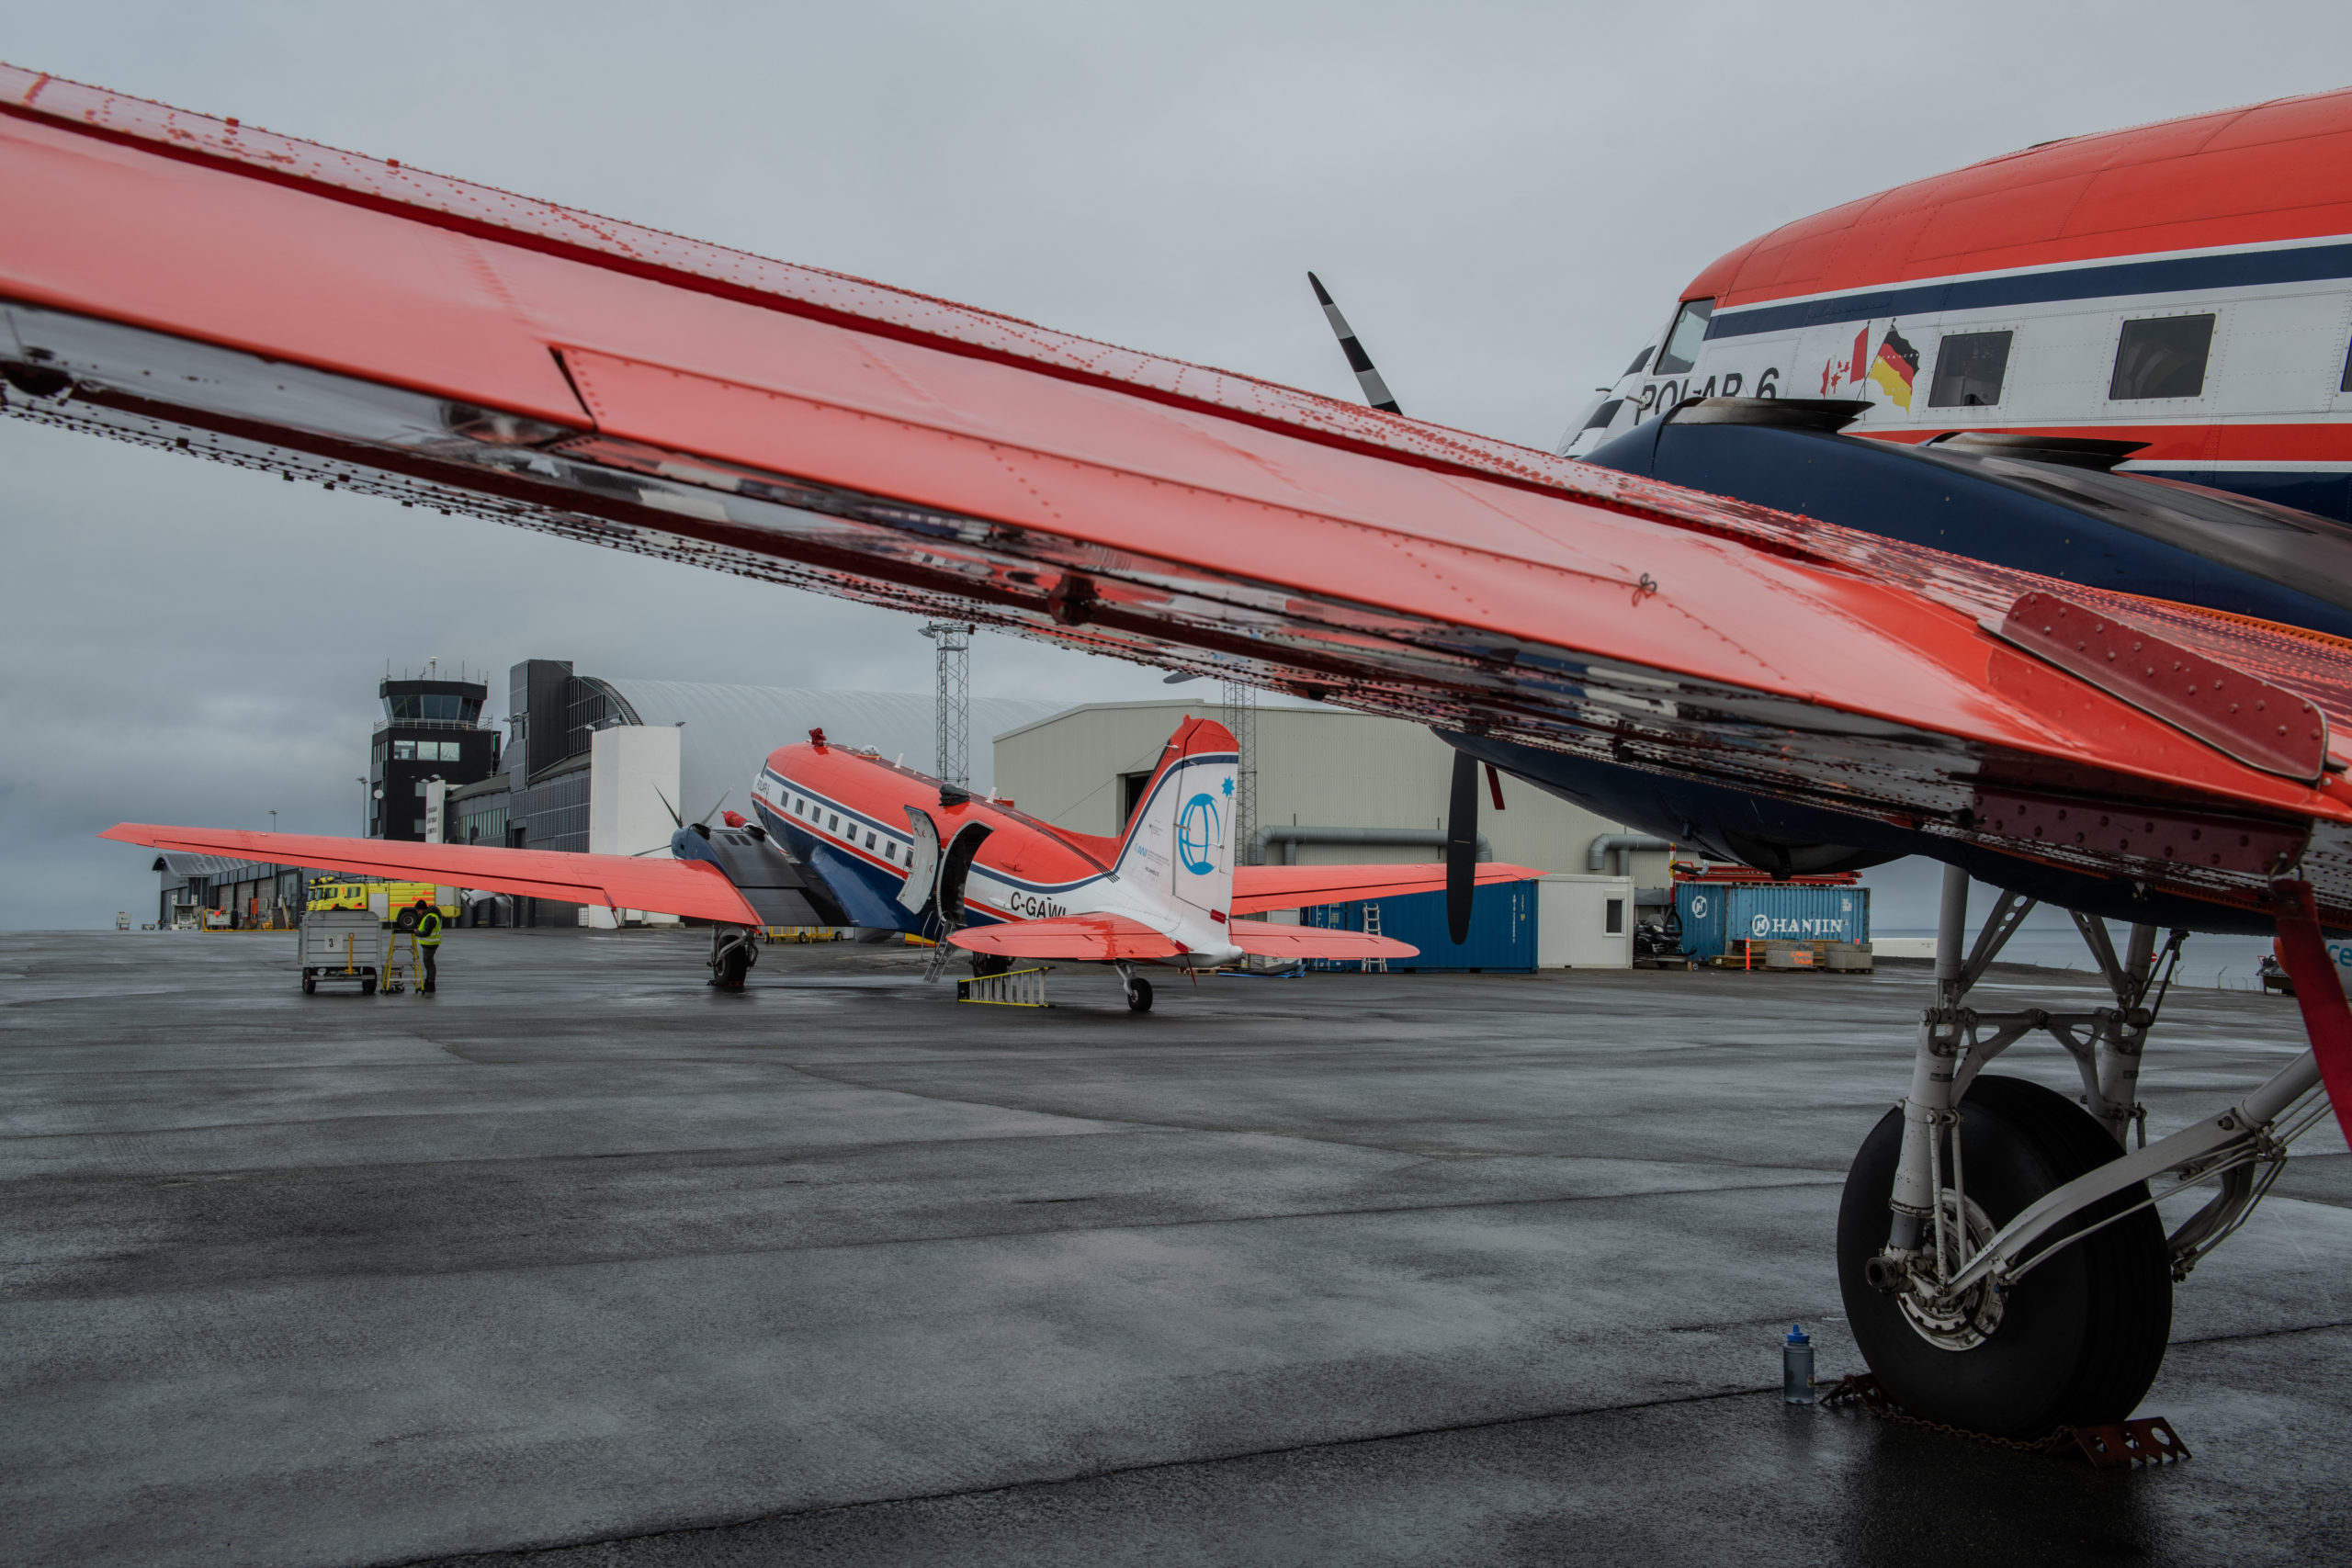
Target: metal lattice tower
(953,700)
(1241,717)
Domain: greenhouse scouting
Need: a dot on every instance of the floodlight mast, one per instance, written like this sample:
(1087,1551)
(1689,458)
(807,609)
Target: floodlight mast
(953,699)
(1241,717)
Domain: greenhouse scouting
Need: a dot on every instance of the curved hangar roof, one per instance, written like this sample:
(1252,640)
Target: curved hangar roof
(729,730)
(2275,173)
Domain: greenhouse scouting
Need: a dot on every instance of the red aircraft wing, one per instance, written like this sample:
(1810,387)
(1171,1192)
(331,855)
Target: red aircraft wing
(1097,938)
(1257,889)
(691,888)
(184,281)
(1268,941)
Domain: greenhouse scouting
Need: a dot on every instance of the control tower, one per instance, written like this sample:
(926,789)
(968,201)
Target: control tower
(431,730)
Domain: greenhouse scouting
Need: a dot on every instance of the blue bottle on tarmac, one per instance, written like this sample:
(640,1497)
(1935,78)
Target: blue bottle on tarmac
(1796,1367)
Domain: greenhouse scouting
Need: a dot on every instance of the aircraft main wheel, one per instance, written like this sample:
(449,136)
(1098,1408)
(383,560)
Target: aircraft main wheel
(2077,1341)
(733,965)
(1139,996)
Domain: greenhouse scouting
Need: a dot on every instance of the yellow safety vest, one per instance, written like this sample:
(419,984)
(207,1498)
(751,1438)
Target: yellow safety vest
(428,929)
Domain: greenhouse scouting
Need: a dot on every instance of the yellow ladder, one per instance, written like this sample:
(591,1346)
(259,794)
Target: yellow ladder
(395,974)
(1014,988)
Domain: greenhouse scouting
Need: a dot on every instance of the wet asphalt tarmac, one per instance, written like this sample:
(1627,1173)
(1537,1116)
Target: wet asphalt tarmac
(580,1262)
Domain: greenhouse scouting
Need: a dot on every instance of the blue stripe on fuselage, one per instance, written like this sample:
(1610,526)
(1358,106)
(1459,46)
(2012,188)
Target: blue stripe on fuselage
(2172,275)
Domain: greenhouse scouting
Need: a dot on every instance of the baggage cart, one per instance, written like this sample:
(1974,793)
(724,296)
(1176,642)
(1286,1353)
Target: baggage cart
(341,945)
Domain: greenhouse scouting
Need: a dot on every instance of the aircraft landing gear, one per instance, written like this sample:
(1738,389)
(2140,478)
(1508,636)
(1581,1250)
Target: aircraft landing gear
(987,963)
(2000,1256)
(732,957)
(1138,988)
(2077,1341)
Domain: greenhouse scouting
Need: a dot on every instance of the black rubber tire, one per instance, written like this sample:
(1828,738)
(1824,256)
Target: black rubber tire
(310,985)
(987,963)
(2080,1337)
(1139,996)
(733,965)
(368,986)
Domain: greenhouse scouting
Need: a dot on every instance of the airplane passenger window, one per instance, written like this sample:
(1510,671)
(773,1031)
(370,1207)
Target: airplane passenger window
(1969,369)
(832,824)
(1681,350)
(869,838)
(2163,358)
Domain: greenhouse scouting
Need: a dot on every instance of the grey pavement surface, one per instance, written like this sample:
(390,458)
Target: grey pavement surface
(580,1262)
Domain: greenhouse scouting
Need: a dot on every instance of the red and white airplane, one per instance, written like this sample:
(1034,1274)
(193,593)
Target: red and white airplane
(201,286)
(2183,286)
(880,846)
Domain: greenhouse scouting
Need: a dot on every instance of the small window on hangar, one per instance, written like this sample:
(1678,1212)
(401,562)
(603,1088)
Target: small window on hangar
(1131,788)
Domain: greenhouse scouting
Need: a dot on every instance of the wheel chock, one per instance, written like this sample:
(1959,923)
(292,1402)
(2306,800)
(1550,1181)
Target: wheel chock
(2148,1440)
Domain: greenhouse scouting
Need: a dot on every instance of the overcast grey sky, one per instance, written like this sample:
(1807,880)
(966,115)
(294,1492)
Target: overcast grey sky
(1506,199)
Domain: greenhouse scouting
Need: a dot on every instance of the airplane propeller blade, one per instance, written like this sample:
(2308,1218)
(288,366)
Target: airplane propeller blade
(706,817)
(1179,678)
(1462,847)
(668,807)
(1375,390)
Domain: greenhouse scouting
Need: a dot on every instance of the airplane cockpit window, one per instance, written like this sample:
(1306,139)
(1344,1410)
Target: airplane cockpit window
(2162,357)
(1681,350)
(1602,415)
(1969,370)
(1639,360)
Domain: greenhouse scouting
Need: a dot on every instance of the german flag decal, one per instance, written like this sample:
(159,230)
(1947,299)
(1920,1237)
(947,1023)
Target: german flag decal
(1896,366)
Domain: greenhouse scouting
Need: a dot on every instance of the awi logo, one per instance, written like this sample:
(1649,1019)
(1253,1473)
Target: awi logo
(1196,834)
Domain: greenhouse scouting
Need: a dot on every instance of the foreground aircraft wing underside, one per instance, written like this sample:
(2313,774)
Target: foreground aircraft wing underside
(184,282)
(695,889)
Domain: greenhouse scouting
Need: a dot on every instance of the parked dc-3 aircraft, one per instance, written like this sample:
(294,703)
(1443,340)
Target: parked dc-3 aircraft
(201,286)
(2184,288)
(873,844)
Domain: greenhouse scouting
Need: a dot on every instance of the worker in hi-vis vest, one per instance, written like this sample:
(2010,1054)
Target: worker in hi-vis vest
(428,939)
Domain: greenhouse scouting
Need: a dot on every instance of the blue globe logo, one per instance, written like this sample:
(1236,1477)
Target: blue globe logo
(1196,834)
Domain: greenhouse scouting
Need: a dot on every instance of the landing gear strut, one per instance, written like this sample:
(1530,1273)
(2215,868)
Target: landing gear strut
(1138,988)
(732,957)
(1999,1253)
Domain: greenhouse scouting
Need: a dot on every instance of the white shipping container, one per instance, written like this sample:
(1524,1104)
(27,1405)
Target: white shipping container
(1584,922)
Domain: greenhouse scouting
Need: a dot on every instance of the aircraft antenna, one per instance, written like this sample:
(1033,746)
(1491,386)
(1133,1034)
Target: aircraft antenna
(953,700)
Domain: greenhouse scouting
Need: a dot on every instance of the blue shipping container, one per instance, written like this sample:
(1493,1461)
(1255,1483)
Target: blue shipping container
(1503,928)
(1717,915)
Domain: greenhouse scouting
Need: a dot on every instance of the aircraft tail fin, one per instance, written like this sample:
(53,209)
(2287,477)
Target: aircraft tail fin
(1180,842)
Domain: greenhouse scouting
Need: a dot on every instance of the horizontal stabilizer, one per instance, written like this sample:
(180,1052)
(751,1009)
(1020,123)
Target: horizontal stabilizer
(1258,889)
(1312,941)
(1102,937)
(691,888)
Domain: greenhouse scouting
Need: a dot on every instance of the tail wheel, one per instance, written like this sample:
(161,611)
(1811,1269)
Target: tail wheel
(2077,1341)
(1139,995)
